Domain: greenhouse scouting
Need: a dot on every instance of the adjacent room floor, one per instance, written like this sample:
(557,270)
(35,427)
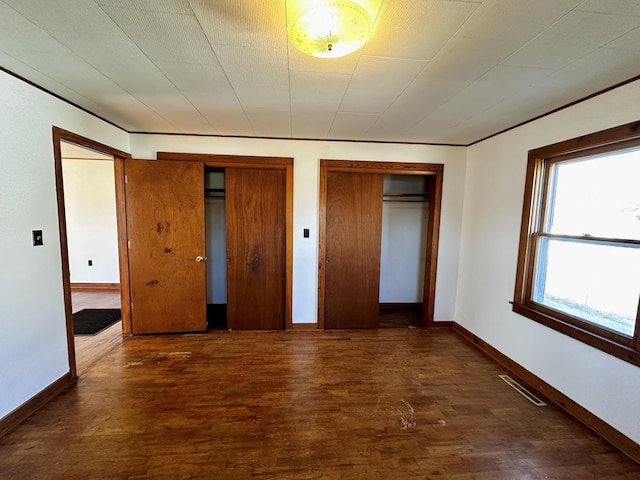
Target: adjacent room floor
(387,403)
(90,348)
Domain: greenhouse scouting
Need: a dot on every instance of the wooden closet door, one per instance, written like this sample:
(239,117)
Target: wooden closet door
(165,227)
(255,211)
(354,232)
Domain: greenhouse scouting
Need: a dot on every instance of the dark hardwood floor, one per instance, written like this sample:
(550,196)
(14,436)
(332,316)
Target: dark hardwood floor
(370,404)
(399,317)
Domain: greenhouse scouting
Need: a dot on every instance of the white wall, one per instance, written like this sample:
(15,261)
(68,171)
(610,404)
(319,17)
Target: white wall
(307,155)
(603,384)
(403,251)
(90,211)
(33,343)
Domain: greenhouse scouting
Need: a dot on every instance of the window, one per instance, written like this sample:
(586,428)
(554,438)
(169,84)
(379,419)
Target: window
(579,259)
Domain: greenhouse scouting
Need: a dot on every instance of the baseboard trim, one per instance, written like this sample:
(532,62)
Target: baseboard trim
(400,306)
(10,421)
(599,426)
(440,324)
(303,326)
(95,287)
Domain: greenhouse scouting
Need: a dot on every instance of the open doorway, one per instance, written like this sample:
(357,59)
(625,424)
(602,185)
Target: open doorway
(94,264)
(405,218)
(92,239)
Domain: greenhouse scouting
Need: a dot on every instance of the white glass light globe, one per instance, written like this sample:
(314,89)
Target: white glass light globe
(331,29)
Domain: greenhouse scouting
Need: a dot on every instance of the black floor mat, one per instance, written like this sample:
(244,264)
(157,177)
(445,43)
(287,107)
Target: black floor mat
(93,320)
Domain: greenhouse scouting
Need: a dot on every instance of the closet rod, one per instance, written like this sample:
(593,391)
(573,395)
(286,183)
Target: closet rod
(406,197)
(214,192)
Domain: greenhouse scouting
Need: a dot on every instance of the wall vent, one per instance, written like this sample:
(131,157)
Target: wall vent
(523,391)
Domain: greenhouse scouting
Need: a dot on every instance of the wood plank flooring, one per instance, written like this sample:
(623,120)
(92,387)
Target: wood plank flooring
(90,348)
(369,404)
(399,317)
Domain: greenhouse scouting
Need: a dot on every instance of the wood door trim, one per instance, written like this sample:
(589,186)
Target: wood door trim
(248,161)
(123,245)
(288,276)
(230,161)
(356,166)
(436,172)
(322,240)
(433,235)
(64,253)
(119,156)
(85,142)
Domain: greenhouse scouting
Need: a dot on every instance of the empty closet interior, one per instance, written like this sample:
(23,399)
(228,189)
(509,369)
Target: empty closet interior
(216,249)
(405,215)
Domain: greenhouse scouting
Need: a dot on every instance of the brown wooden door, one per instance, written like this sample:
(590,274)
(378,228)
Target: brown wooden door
(165,227)
(352,264)
(255,212)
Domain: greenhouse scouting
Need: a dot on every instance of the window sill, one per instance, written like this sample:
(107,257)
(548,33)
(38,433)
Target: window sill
(606,345)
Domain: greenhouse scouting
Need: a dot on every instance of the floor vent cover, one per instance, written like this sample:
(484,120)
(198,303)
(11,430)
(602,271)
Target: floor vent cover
(523,391)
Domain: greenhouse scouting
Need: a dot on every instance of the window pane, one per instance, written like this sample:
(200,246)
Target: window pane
(595,282)
(597,196)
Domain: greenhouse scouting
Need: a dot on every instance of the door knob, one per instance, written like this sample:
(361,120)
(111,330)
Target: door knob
(228,259)
(200,259)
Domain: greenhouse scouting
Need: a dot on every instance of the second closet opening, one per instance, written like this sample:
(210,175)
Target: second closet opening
(216,247)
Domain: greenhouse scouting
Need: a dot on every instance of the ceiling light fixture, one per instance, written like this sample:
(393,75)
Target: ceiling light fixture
(330,29)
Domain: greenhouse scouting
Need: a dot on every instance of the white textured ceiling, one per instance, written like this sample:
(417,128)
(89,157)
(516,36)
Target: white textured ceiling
(434,71)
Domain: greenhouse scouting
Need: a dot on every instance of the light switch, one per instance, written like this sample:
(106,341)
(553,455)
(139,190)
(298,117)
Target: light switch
(305,233)
(37,237)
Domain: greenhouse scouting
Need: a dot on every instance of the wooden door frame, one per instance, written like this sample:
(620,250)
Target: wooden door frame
(435,172)
(268,163)
(123,259)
